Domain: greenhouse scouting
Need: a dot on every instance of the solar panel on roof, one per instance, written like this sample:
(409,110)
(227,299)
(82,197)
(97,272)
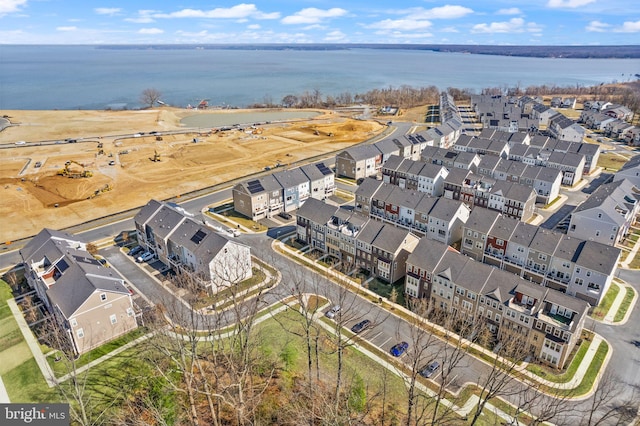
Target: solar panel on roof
(324,169)
(255,186)
(62,265)
(198,236)
(421,138)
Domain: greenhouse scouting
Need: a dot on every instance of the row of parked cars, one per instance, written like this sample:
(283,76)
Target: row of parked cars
(396,350)
(140,254)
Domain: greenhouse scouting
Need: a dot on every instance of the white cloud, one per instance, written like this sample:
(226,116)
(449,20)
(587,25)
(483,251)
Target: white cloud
(107,10)
(70,28)
(150,31)
(238,11)
(144,17)
(10,6)
(312,15)
(597,27)
(514,25)
(509,11)
(629,27)
(254,27)
(335,36)
(400,24)
(571,4)
(448,12)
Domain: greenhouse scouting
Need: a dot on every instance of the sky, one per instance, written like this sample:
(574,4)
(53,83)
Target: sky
(534,22)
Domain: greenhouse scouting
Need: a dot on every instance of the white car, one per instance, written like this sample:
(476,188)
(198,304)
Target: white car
(331,313)
(144,257)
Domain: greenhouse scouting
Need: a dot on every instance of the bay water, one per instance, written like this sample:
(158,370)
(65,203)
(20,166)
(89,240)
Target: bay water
(90,77)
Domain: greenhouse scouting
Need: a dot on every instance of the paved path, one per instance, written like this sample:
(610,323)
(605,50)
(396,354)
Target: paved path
(615,306)
(47,373)
(631,255)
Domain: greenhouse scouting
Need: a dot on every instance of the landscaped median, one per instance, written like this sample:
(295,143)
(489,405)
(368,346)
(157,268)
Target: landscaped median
(546,384)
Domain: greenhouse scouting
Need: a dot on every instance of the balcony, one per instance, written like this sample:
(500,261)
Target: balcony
(559,321)
(521,307)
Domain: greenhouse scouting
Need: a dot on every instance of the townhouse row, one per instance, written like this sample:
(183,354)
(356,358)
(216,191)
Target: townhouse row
(611,126)
(545,323)
(429,174)
(283,191)
(210,259)
(580,268)
(89,302)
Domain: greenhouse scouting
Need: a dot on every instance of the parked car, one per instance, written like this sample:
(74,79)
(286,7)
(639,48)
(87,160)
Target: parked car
(399,348)
(428,370)
(331,313)
(136,250)
(147,255)
(285,215)
(360,326)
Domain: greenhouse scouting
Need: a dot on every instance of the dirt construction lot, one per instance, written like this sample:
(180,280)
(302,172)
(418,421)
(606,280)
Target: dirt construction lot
(86,181)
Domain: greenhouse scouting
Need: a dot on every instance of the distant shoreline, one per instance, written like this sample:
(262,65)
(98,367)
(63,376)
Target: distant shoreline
(565,52)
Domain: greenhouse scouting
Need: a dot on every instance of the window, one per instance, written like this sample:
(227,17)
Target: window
(80,333)
(103,297)
(73,322)
(113,319)
(129,312)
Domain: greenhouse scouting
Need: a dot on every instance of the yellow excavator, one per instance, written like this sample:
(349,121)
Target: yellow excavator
(156,156)
(74,172)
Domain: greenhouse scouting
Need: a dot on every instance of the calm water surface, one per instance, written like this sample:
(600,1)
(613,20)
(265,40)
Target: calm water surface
(87,77)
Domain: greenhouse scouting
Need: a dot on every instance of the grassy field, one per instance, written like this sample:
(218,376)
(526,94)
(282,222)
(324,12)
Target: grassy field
(611,161)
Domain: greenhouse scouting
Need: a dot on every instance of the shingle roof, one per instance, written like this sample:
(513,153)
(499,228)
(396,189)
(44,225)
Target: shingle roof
(316,211)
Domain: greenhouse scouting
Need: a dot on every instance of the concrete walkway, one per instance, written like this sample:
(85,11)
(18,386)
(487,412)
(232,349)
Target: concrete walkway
(47,373)
(615,306)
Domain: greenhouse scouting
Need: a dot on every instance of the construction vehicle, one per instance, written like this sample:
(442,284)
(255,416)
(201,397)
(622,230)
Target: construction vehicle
(156,157)
(99,144)
(97,192)
(74,172)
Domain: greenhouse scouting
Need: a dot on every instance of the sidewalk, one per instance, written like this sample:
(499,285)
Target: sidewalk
(615,306)
(574,382)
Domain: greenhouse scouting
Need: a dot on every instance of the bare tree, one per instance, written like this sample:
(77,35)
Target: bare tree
(150,96)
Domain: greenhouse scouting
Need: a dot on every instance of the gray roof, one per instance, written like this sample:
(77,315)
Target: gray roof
(315,171)
(598,257)
(523,234)
(393,162)
(611,195)
(42,238)
(147,211)
(446,209)
(316,211)
(368,187)
(503,228)
(545,241)
(370,231)
(634,162)
(361,152)
(290,178)
(80,280)
(405,198)
(430,170)
(387,146)
(390,238)
(475,276)
(482,220)
(203,242)
(569,248)
(165,221)
(427,254)
(457,176)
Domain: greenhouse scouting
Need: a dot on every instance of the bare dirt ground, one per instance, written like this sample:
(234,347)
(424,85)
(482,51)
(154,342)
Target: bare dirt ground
(30,193)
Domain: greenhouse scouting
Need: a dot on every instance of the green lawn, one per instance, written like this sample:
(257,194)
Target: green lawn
(25,383)
(611,161)
(60,369)
(601,310)
(626,303)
